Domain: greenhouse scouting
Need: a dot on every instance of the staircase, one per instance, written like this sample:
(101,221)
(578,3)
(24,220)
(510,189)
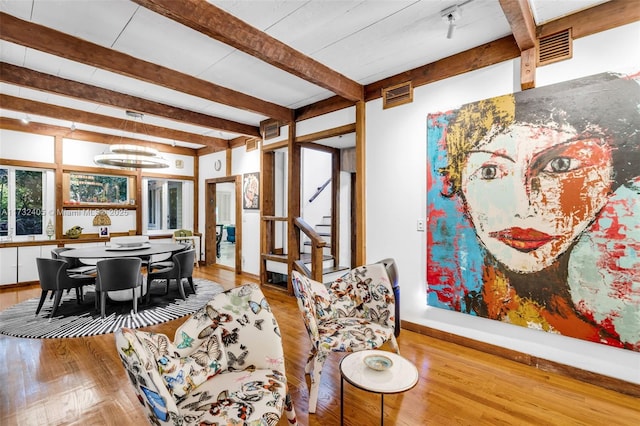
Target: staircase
(276,263)
(330,270)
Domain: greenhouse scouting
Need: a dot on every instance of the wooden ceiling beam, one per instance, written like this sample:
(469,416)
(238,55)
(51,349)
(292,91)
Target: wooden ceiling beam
(523,27)
(226,28)
(25,77)
(605,16)
(520,18)
(60,44)
(62,113)
(482,56)
(88,136)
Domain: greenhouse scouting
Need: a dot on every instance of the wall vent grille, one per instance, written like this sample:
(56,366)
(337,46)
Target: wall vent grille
(269,128)
(397,95)
(555,47)
(251,144)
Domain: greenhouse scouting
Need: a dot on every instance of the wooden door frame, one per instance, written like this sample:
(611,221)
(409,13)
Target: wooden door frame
(210,219)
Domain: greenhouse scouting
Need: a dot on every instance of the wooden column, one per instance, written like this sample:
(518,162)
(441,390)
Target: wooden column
(293,201)
(59,197)
(360,219)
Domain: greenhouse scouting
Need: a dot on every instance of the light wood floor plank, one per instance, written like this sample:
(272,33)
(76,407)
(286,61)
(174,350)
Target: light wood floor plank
(81,381)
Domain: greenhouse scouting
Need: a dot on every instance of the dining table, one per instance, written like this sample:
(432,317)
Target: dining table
(142,250)
(110,251)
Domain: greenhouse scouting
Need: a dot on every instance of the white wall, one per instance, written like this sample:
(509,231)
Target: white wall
(26,146)
(396,196)
(248,162)
(206,170)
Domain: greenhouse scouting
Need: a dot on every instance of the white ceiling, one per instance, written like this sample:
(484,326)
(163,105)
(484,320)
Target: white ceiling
(365,40)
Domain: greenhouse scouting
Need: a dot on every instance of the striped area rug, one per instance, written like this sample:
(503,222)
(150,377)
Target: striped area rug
(74,320)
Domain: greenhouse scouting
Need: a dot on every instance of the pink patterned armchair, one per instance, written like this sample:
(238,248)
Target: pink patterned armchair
(353,313)
(225,366)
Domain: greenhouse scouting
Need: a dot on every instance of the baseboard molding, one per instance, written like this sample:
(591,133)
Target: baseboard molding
(596,379)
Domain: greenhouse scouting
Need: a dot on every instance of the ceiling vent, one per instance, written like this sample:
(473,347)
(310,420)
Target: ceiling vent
(555,47)
(251,144)
(269,129)
(397,95)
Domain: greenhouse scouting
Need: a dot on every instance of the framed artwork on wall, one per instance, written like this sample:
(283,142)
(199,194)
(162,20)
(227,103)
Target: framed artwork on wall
(251,191)
(533,207)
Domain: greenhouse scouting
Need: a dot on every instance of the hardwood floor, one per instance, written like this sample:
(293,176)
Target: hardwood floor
(81,381)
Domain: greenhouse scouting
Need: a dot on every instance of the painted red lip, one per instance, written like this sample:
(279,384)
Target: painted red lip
(524,240)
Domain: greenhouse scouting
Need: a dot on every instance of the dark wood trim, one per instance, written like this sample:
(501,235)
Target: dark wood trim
(230,30)
(59,195)
(527,359)
(528,60)
(606,16)
(328,133)
(360,229)
(25,77)
(293,201)
(64,45)
(210,223)
(523,26)
(211,150)
(482,56)
(196,197)
(210,203)
(275,145)
(319,108)
(22,163)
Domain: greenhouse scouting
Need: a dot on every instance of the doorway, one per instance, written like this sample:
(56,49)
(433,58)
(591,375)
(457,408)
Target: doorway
(223,229)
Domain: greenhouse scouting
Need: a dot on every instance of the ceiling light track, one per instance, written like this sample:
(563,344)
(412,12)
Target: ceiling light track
(451,15)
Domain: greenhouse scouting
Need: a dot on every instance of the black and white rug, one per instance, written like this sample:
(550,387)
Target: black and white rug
(74,320)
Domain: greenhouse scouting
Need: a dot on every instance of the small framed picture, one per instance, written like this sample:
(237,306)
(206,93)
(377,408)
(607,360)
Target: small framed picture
(104,232)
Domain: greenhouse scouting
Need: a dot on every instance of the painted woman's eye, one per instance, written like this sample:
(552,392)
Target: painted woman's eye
(561,165)
(488,172)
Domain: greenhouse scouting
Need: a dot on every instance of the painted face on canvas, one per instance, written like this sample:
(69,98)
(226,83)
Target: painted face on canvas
(530,191)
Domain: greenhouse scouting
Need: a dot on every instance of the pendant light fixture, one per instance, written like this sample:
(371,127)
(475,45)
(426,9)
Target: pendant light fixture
(132,156)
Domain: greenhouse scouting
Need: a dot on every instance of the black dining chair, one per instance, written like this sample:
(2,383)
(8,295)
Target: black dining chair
(75,266)
(182,267)
(120,273)
(54,277)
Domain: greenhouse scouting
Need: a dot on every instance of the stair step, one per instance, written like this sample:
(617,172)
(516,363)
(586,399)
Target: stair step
(333,269)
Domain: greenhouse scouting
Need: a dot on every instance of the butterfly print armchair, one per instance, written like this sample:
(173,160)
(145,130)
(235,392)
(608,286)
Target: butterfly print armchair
(225,365)
(353,313)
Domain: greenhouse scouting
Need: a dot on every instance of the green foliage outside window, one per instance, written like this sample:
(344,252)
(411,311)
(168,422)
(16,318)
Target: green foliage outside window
(84,188)
(27,197)
(4,202)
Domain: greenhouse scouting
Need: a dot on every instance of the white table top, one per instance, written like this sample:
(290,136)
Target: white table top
(108,251)
(402,375)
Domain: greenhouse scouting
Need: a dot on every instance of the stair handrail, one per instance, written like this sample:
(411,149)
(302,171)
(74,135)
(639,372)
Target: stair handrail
(319,190)
(317,247)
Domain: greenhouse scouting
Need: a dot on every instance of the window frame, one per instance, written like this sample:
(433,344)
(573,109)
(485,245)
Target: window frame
(47,209)
(162,205)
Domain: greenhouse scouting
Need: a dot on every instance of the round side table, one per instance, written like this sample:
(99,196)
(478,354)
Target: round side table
(400,377)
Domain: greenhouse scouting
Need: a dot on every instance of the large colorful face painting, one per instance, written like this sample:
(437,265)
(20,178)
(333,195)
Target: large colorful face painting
(533,206)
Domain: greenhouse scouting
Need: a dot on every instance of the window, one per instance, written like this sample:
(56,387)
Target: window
(23,201)
(167,204)
(83,188)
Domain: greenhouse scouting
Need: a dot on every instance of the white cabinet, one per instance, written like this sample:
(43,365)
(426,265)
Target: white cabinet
(8,265)
(27,268)
(18,264)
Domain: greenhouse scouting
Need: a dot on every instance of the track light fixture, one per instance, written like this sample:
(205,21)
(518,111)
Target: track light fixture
(450,15)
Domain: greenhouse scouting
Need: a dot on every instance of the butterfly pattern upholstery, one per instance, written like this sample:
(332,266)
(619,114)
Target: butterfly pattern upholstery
(225,365)
(354,313)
